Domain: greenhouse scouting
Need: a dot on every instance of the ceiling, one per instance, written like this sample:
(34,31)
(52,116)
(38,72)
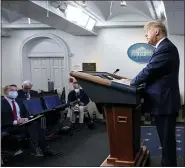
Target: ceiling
(10,16)
(139,7)
(175,16)
(107,14)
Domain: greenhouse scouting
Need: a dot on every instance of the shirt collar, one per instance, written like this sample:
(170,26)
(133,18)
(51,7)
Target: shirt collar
(159,42)
(7,98)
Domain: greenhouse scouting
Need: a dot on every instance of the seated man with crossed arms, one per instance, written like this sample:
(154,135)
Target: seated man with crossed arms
(79,95)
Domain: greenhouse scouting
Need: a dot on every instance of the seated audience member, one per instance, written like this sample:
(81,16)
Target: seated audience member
(63,96)
(13,114)
(16,86)
(26,92)
(79,95)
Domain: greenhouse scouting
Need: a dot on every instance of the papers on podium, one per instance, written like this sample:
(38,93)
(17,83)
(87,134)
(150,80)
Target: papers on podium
(123,81)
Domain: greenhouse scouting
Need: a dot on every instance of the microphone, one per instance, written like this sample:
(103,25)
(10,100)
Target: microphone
(117,70)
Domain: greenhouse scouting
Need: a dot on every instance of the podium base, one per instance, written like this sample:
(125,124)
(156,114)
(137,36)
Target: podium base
(141,160)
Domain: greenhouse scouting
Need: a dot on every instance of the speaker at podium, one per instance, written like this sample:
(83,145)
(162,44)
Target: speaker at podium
(122,106)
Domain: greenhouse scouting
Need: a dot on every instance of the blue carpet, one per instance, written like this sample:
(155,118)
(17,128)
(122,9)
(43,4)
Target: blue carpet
(149,138)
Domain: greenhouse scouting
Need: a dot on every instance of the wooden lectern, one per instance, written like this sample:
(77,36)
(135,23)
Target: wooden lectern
(122,104)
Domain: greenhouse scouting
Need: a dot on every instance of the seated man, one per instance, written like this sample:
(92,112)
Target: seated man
(78,95)
(26,92)
(13,114)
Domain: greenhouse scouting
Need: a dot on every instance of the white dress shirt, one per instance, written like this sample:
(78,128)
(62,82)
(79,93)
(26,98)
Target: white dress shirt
(28,96)
(17,108)
(159,42)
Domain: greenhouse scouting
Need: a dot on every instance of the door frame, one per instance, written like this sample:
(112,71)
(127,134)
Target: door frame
(61,43)
(49,58)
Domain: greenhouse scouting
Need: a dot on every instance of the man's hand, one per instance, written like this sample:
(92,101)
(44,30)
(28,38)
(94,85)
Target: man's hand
(71,103)
(81,104)
(126,81)
(22,120)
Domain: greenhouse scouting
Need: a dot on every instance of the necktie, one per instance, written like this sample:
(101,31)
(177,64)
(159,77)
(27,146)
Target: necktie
(27,95)
(14,111)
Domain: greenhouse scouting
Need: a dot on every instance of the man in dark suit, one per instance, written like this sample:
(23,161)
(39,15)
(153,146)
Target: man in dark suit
(26,92)
(13,114)
(162,97)
(78,95)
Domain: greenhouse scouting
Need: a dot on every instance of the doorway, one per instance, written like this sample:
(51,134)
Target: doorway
(44,69)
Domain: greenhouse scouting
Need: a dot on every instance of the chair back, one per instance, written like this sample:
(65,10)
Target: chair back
(33,106)
(52,101)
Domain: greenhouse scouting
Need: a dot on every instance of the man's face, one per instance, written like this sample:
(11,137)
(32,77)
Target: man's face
(151,35)
(11,88)
(75,86)
(27,88)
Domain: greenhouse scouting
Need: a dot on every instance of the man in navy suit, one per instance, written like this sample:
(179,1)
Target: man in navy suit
(26,92)
(13,114)
(162,96)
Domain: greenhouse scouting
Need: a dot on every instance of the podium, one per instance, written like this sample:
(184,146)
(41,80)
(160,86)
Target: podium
(122,106)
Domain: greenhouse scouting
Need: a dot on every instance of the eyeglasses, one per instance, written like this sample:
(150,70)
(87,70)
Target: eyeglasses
(27,88)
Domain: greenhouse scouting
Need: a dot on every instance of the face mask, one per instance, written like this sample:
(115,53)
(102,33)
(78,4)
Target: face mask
(12,94)
(77,90)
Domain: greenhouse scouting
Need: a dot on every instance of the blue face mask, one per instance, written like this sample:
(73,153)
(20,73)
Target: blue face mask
(12,94)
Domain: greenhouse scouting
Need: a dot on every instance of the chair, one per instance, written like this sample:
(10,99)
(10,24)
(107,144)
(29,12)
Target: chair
(11,145)
(57,108)
(87,118)
(45,93)
(34,106)
(53,102)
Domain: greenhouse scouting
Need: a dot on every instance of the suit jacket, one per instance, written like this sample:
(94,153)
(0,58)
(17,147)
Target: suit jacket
(7,113)
(82,96)
(22,94)
(161,74)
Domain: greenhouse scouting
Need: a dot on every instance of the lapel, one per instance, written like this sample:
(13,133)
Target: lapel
(23,94)
(152,55)
(158,48)
(8,108)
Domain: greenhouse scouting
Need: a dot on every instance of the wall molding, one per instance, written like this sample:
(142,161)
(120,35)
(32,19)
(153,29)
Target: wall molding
(58,41)
(46,54)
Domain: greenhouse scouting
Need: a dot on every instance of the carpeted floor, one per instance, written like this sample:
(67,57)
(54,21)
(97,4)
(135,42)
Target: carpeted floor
(86,148)
(149,138)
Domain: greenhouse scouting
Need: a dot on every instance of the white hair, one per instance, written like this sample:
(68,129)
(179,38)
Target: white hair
(26,83)
(157,24)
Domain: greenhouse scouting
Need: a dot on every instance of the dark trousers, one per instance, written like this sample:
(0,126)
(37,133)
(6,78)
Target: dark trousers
(34,131)
(166,127)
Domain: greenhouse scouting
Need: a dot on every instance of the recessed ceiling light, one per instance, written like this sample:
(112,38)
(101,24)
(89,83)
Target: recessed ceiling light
(123,3)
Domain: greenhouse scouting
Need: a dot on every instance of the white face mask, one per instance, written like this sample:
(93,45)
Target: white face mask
(12,94)
(77,90)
